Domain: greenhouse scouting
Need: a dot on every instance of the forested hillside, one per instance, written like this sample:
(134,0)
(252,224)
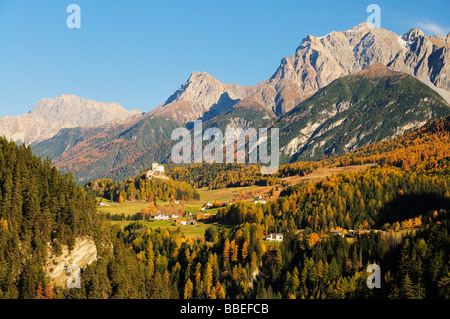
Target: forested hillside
(141,188)
(38,206)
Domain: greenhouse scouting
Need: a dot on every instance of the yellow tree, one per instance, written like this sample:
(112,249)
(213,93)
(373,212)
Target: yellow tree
(207,279)
(244,250)
(188,289)
(313,239)
(226,250)
(220,292)
(233,251)
(144,213)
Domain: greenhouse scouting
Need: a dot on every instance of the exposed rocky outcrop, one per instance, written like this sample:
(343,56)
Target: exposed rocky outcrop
(83,253)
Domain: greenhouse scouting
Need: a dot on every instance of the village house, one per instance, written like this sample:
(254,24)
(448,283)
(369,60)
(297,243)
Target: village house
(103,204)
(337,232)
(274,237)
(187,222)
(159,217)
(260,200)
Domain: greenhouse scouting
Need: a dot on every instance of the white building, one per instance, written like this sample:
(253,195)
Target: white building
(160,217)
(260,200)
(274,237)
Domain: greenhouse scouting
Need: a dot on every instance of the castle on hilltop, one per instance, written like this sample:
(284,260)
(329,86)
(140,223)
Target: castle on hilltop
(157,172)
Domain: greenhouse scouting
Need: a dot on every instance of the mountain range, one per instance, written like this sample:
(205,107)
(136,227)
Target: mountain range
(334,94)
(49,116)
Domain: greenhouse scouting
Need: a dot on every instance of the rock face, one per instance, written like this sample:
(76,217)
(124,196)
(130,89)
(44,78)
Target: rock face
(49,116)
(84,253)
(320,60)
(356,110)
(202,96)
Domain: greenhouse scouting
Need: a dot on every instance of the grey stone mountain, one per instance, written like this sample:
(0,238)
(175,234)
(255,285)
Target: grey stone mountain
(202,96)
(317,62)
(320,60)
(49,116)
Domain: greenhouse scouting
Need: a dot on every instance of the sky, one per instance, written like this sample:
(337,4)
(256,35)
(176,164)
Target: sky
(138,52)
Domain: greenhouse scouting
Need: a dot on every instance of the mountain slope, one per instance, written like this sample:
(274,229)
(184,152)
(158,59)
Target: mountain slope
(320,60)
(49,116)
(356,110)
(110,150)
(41,212)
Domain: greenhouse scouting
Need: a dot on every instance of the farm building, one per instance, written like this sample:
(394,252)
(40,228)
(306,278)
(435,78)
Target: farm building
(274,237)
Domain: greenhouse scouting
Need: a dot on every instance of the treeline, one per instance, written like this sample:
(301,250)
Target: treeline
(298,169)
(38,206)
(141,188)
(220,175)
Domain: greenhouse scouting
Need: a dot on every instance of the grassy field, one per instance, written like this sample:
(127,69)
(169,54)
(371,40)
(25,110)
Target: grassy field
(127,208)
(189,231)
(225,194)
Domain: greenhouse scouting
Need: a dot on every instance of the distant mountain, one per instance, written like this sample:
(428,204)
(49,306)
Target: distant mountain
(320,60)
(49,116)
(356,110)
(202,96)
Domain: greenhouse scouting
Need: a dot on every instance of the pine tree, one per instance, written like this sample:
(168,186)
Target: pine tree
(408,291)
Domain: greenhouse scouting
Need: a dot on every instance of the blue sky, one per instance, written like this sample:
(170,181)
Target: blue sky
(137,52)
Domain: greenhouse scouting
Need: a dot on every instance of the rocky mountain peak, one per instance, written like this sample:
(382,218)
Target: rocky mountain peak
(78,111)
(320,60)
(412,35)
(199,95)
(49,116)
